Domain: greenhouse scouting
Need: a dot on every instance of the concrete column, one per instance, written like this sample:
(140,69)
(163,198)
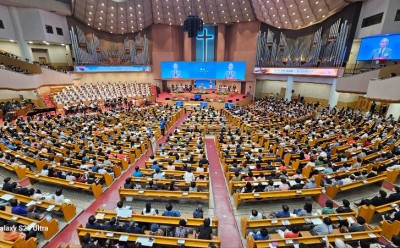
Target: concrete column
(19,35)
(220,54)
(333,95)
(394,109)
(289,88)
(187,48)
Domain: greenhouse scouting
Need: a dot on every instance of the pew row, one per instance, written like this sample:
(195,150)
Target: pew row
(163,194)
(308,239)
(275,195)
(68,210)
(158,240)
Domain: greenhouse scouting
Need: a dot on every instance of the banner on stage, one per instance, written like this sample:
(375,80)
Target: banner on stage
(104,68)
(321,72)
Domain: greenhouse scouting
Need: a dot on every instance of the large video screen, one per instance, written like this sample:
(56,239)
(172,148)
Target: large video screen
(203,70)
(382,47)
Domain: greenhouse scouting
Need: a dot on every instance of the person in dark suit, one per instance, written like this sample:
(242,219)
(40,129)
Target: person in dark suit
(395,196)
(93,224)
(230,73)
(383,52)
(112,225)
(298,184)
(375,201)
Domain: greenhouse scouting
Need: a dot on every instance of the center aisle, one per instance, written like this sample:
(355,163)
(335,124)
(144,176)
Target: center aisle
(227,228)
(108,200)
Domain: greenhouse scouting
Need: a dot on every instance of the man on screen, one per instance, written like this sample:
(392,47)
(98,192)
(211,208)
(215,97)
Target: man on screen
(382,53)
(175,73)
(230,73)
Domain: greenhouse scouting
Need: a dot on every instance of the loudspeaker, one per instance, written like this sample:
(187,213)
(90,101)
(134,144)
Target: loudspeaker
(167,98)
(244,97)
(229,100)
(237,100)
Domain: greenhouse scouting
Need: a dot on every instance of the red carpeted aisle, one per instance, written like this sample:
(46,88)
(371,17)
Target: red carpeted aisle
(227,228)
(108,200)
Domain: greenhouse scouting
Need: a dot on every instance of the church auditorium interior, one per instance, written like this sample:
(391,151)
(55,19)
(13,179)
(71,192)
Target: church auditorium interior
(199,123)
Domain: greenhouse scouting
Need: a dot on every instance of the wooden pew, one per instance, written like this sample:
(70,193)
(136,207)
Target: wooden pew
(161,220)
(367,212)
(97,190)
(49,228)
(246,224)
(68,210)
(275,195)
(19,243)
(164,194)
(172,173)
(390,229)
(332,191)
(158,240)
(309,239)
(204,185)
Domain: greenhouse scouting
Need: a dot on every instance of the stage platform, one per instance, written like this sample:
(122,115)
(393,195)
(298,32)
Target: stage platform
(234,97)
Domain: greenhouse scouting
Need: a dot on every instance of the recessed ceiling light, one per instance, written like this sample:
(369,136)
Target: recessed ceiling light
(323,16)
(319,9)
(316,2)
(308,16)
(112,7)
(305,9)
(30,42)
(102,4)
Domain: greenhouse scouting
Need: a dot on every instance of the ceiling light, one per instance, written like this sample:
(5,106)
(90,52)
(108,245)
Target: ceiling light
(291,5)
(98,28)
(44,41)
(112,21)
(305,9)
(100,11)
(90,13)
(89,19)
(62,44)
(130,7)
(323,16)
(101,18)
(294,13)
(30,42)
(99,24)
(316,2)
(308,16)
(319,9)
(122,8)
(112,7)
(102,4)
(12,40)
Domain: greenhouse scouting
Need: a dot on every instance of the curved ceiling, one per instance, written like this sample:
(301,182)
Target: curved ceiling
(126,16)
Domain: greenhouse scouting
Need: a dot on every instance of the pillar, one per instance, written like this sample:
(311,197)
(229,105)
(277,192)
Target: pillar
(394,109)
(333,95)
(220,54)
(187,48)
(289,88)
(19,35)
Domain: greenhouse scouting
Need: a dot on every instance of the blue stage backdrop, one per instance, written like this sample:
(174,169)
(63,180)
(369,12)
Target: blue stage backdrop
(380,47)
(205,44)
(204,70)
